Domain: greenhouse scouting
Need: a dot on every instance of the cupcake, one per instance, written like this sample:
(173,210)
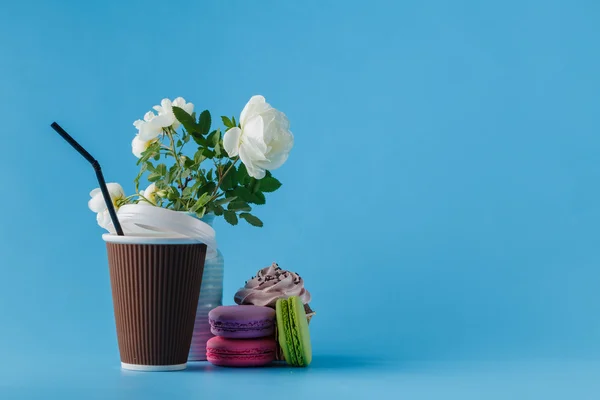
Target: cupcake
(272,283)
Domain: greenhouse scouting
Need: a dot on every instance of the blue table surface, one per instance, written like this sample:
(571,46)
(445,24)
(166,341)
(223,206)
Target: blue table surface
(330,376)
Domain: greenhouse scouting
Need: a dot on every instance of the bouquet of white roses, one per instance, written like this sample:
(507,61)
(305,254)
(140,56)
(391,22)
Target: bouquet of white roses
(196,169)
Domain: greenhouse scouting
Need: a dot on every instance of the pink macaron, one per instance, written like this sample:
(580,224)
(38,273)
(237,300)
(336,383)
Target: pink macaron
(240,352)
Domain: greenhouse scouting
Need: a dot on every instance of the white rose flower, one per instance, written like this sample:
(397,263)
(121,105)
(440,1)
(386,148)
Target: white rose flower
(98,205)
(166,109)
(152,125)
(264,140)
(187,107)
(147,118)
(103,219)
(150,193)
(138,146)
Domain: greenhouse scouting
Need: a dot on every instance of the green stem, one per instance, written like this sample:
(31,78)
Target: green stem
(217,166)
(144,198)
(172,142)
(130,197)
(224,175)
(169,132)
(214,197)
(182,142)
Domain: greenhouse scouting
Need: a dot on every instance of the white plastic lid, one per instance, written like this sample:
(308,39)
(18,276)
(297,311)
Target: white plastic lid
(149,221)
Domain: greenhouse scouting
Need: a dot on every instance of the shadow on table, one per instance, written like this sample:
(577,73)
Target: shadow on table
(200,366)
(336,362)
(322,363)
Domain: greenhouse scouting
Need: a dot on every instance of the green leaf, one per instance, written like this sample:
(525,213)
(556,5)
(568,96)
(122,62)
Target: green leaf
(188,162)
(255,185)
(160,185)
(239,206)
(186,138)
(139,175)
(199,139)
(251,184)
(179,143)
(149,153)
(209,175)
(197,185)
(172,174)
(143,169)
(187,193)
(227,122)
(221,202)
(231,217)
(224,153)
(243,177)
(204,122)
(200,214)
(229,181)
(153,177)
(202,200)
(188,122)
(251,219)
(161,169)
(269,184)
(173,193)
(218,209)
(208,153)
(157,157)
(207,188)
(243,193)
(199,157)
(213,138)
(233,121)
(258,198)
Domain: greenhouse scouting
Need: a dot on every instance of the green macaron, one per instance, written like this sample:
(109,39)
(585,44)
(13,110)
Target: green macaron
(293,334)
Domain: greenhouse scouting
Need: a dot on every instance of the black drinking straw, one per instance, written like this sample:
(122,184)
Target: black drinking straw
(96,166)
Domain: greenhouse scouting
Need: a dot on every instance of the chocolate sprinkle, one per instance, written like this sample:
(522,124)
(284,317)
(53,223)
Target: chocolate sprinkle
(277,275)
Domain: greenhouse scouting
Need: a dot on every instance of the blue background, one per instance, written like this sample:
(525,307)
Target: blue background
(441,201)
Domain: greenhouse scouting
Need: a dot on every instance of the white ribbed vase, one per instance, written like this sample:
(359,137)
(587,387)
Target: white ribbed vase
(211,296)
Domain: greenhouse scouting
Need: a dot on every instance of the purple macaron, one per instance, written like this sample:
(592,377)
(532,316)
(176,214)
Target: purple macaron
(242,322)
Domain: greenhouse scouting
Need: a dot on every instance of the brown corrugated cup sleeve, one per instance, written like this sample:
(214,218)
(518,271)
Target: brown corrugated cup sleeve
(155,290)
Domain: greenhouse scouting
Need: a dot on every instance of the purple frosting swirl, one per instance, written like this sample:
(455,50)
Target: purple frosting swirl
(269,284)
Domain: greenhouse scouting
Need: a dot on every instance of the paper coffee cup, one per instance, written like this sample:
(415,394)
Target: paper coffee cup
(155,286)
